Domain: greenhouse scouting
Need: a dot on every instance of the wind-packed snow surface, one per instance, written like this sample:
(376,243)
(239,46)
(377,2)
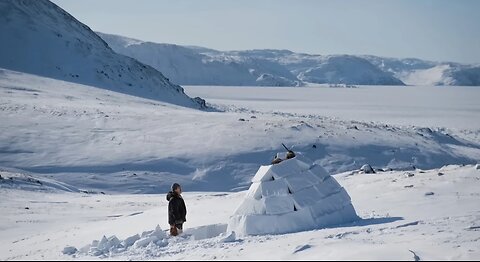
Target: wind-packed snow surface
(432,214)
(40,38)
(291,196)
(202,66)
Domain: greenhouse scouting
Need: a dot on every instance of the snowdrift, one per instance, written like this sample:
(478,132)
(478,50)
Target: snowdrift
(40,38)
(292,196)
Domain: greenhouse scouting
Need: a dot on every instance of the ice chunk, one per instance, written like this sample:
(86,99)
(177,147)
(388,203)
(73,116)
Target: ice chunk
(158,232)
(102,245)
(231,237)
(113,241)
(143,242)
(69,250)
(129,241)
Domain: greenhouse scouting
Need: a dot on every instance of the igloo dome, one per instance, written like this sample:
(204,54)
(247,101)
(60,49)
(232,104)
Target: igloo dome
(294,195)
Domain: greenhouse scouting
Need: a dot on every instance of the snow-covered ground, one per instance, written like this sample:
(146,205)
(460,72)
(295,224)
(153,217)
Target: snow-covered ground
(427,215)
(89,162)
(455,107)
(105,141)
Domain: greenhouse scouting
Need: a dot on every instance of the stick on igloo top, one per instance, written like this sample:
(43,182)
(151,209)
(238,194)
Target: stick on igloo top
(290,196)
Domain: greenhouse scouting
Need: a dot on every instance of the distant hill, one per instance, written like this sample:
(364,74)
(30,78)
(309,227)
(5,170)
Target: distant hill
(193,65)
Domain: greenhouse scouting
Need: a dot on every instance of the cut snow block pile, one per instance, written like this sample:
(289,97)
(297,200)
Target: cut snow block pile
(111,245)
(292,196)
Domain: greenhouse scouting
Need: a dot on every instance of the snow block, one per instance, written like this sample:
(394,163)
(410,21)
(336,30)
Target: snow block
(256,225)
(301,181)
(345,215)
(319,171)
(276,187)
(296,221)
(278,205)
(264,173)
(303,162)
(208,231)
(328,187)
(286,168)
(306,197)
(331,204)
(251,206)
(255,191)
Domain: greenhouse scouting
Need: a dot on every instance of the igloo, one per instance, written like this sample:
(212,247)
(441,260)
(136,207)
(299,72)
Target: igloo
(294,195)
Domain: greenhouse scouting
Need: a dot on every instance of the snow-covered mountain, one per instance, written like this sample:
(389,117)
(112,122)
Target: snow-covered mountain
(414,71)
(40,38)
(200,66)
(192,65)
(348,70)
(203,66)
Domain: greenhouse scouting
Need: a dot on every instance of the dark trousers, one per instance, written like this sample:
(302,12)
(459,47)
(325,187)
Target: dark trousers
(179,226)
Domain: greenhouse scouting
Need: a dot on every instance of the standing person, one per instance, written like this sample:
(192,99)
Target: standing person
(177,211)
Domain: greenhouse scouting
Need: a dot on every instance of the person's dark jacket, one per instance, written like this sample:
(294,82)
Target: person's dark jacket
(177,211)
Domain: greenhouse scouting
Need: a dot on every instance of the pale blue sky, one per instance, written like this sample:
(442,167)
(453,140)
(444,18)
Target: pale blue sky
(440,30)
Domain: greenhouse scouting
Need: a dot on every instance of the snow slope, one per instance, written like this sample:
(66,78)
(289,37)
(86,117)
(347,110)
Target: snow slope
(113,142)
(40,38)
(427,215)
(190,65)
(444,74)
